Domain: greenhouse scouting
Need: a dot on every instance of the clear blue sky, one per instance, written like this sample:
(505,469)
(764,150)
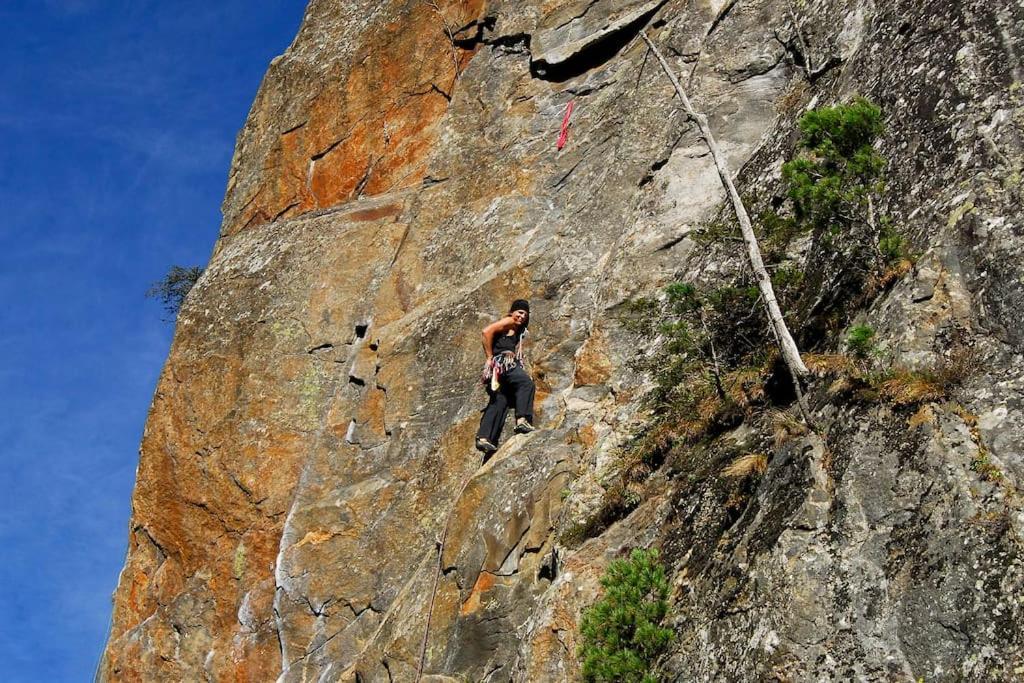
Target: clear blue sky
(117,124)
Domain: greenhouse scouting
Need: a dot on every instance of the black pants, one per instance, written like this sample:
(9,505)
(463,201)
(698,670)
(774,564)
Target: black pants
(516,389)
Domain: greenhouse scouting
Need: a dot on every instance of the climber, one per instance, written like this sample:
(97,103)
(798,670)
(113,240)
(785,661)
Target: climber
(505,377)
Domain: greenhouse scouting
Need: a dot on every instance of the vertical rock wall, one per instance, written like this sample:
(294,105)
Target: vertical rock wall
(397,183)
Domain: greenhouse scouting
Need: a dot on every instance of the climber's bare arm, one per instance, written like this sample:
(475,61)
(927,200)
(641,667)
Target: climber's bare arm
(493,330)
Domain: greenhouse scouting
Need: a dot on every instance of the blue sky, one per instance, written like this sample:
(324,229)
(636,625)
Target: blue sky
(117,124)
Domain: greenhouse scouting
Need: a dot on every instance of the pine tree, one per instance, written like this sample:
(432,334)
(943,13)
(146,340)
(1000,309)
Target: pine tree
(622,632)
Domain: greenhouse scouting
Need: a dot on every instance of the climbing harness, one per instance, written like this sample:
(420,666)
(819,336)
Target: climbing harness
(501,364)
(563,135)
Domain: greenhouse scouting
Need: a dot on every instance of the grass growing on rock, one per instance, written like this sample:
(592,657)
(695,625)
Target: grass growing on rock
(711,370)
(861,340)
(856,378)
(709,351)
(746,465)
(982,462)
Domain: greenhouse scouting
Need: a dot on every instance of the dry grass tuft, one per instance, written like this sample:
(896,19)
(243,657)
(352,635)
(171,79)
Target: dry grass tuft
(828,363)
(661,436)
(708,408)
(736,501)
(793,99)
(635,471)
(785,427)
(827,456)
(880,282)
(841,385)
(748,464)
(969,418)
(744,386)
(962,362)
(894,272)
(692,430)
(907,387)
(923,416)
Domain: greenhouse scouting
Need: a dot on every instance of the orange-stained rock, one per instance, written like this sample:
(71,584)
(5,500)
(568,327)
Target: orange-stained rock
(593,366)
(484,582)
(397,184)
(350,110)
(312,428)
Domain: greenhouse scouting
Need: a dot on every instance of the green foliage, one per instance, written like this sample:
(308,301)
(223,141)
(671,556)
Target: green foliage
(621,633)
(172,290)
(985,468)
(861,340)
(837,167)
(710,367)
(682,297)
(711,348)
(715,231)
(701,334)
(843,132)
(710,363)
(891,245)
(787,280)
(733,298)
(833,183)
(641,316)
(777,232)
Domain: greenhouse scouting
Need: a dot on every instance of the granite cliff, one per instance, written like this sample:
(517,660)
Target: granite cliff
(397,184)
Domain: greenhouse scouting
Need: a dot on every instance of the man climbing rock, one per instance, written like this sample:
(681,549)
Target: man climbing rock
(505,377)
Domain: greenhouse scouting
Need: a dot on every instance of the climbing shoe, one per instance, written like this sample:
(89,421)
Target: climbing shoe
(485,446)
(523,426)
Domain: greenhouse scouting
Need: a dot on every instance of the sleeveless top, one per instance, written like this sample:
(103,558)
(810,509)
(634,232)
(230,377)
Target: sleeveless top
(506,342)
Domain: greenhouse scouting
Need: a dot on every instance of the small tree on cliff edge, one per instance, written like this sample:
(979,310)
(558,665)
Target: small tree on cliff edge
(173,289)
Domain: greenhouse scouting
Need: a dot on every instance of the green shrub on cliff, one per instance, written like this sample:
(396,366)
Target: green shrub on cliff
(622,632)
(861,341)
(172,290)
(835,182)
(838,168)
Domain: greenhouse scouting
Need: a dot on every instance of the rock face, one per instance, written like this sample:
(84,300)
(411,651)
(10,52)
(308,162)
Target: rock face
(397,184)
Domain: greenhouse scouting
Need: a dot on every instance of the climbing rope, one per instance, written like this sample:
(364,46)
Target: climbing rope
(437,574)
(500,364)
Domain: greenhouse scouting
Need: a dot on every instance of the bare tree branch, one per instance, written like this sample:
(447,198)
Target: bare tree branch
(808,69)
(790,352)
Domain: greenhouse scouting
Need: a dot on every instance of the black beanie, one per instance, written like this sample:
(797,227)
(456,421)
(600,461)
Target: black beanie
(520,305)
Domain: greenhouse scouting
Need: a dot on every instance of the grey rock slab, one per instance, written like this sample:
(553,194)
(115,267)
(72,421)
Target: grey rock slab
(583,25)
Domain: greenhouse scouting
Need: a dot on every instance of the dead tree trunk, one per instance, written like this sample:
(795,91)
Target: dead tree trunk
(790,353)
